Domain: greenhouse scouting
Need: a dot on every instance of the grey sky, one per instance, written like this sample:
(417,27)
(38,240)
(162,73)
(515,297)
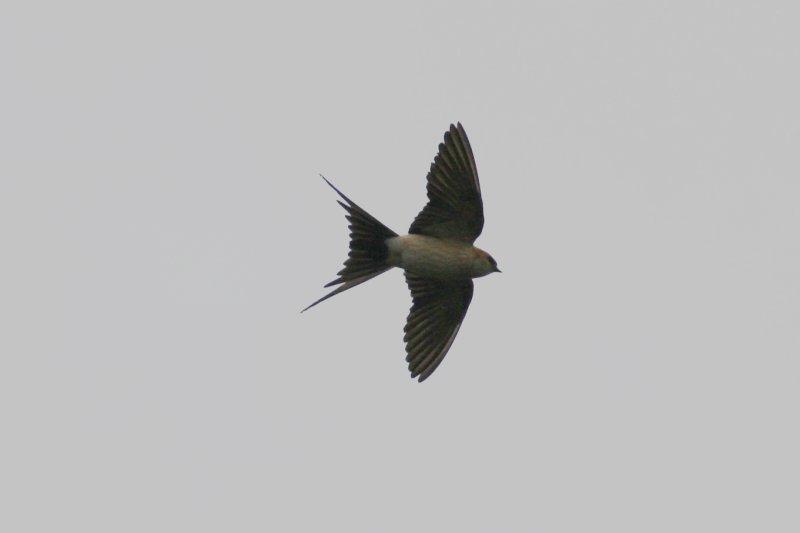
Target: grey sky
(635,367)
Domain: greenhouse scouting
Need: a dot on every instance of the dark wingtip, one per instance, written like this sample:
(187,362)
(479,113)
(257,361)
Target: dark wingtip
(419,374)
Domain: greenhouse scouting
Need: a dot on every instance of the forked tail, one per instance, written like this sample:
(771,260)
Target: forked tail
(368,250)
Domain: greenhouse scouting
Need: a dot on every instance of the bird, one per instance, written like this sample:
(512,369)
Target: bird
(438,254)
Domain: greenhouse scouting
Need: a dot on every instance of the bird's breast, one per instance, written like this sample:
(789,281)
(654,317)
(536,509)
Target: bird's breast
(431,257)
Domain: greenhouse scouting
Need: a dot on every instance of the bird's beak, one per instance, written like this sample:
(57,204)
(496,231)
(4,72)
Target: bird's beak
(498,270)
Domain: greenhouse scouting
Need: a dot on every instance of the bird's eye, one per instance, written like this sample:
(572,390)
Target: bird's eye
(492,261)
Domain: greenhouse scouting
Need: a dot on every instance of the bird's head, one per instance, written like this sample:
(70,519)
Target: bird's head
(483,264)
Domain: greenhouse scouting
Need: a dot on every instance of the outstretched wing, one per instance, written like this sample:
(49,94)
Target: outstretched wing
(454,209)
(433,322)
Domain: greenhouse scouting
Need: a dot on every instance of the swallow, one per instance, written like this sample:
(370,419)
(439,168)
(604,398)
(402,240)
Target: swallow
(437,255)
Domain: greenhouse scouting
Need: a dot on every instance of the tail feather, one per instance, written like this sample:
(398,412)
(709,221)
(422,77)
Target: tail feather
(368,250)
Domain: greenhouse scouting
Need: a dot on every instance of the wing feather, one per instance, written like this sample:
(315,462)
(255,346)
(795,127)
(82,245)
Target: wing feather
(436,315)
(455,208)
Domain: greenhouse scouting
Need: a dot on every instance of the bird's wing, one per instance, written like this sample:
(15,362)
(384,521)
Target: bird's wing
(434,320)
(454,209)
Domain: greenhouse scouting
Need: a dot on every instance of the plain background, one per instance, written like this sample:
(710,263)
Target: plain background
(635,368)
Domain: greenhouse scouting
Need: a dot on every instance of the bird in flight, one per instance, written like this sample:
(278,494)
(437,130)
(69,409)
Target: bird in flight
(437,255)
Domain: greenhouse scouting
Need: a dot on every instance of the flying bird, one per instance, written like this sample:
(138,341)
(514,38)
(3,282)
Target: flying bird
(437,255)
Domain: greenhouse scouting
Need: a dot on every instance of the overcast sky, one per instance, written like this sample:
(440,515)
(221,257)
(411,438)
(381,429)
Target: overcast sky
(634,369)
